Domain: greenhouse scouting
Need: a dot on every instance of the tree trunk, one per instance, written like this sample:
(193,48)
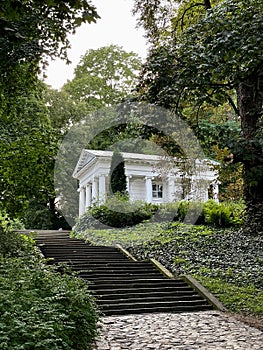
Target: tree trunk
(250,99)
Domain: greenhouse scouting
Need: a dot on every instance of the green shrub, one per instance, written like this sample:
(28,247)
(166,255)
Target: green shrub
(38,215)
(13,224)
(119,212)
(42,309)
(180,211)
(39,307)
(116,212)
(169,211)
(12,243)
(118,182)
(199,213)
(223,214)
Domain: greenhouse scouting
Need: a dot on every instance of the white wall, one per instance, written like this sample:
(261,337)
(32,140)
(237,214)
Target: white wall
(137,189)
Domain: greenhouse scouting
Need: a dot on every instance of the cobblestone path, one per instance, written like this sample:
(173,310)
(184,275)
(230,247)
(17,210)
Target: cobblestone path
(209,330)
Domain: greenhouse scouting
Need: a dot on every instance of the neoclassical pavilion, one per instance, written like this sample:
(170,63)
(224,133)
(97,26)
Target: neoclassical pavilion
(147,177)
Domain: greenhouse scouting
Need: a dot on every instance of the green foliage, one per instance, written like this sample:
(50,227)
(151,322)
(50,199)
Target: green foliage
(7,223)
(127,236)
(31,29)
(41,308)
(104,77)
(116,212)
(28,146)
(180,211)
(63,110)
(11,243)
(117,174)
(212,55)
(224,214)
(246,300)
(38,216)
(211,134)
(44,216)
(119,212)
(228,263)
(231,256)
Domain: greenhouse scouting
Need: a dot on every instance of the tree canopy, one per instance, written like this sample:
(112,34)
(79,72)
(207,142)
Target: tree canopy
(104,77)
(30,32)
(211,53)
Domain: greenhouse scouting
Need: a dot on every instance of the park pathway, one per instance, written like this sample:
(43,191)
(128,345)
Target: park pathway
(138,316)
(206,330)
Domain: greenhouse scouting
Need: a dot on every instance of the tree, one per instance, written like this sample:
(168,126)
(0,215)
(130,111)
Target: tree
(216,56)
(63,110)
(104,77)
(28,146)
(31,31)
(118,177)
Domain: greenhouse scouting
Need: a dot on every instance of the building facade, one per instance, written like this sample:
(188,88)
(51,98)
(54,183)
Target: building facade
(150,178)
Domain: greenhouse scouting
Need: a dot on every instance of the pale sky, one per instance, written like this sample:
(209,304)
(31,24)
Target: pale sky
(116,26)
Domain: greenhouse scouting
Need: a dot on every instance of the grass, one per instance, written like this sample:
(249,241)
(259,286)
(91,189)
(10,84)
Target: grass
(226,261)
(125,236)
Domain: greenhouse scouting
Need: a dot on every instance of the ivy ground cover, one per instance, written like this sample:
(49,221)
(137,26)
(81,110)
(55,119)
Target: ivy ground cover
(227,261)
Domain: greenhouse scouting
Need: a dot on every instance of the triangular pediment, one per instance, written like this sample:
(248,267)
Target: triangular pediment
(85,158)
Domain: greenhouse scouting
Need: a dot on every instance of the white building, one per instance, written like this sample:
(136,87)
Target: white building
(149,177)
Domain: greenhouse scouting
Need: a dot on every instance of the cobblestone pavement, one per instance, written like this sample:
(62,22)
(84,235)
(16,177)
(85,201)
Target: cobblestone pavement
(209,330)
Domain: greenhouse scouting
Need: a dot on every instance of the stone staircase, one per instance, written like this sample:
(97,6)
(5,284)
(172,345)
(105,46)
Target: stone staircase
(121,286)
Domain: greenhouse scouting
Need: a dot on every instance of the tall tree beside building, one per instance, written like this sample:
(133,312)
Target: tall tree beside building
(118,182)
(211,53)
(30,32)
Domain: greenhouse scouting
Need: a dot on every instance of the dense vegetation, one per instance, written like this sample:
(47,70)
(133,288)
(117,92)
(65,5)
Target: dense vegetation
(117,211)
(207,55)
(40,307)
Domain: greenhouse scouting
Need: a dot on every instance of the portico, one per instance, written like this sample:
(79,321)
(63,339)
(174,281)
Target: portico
(143,180)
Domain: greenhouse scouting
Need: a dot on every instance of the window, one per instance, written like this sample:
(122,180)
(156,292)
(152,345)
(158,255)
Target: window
(157,191)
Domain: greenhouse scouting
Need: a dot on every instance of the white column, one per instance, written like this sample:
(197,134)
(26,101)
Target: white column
(148,182)
(192,194)
(128,184)
(88,195)
(81,200)
(170,189)
(102,189)
(95,194)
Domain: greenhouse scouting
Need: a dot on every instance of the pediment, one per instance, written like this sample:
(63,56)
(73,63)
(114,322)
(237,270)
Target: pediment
(85,158)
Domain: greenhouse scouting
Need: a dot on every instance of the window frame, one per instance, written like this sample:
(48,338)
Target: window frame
(157,192)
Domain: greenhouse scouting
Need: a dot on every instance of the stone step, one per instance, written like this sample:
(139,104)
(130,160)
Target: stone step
(141,290)
(117,265)
(140,293)
(84,261)
(116,278)
(139,283)
(121,286)
(118,269)
(126,309)
(78,256)
(69,247)
(150,299)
